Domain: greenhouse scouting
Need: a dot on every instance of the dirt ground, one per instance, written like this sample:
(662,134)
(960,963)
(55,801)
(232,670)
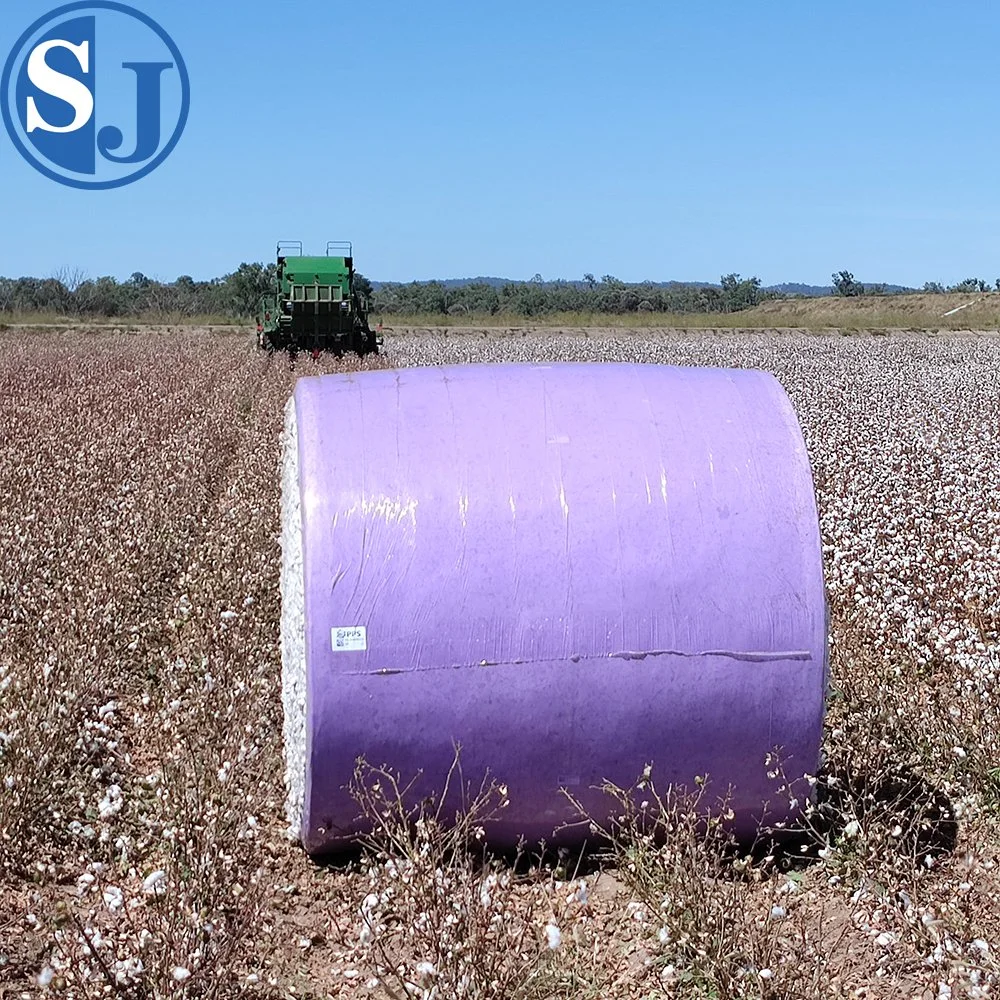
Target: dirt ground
(142,836)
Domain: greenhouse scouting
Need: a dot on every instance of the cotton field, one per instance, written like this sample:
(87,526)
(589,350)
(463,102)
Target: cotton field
(143,851)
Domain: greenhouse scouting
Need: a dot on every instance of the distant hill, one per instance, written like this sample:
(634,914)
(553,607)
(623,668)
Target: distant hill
(450,282)
(819,291)
(796,288)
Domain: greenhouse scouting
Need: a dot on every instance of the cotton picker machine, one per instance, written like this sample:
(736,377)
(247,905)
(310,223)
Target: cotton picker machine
(315,305)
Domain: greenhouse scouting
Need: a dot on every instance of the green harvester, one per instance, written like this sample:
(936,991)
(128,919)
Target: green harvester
(315,305)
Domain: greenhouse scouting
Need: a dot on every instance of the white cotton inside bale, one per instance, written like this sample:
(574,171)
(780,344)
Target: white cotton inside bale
(293,627)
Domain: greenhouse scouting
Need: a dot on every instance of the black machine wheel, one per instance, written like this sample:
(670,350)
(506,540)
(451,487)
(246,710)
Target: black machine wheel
(365,341)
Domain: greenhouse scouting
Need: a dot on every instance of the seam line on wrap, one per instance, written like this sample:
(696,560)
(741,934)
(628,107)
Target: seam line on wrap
(746,656)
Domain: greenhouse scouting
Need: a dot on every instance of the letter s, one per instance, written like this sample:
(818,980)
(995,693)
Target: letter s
(65,88)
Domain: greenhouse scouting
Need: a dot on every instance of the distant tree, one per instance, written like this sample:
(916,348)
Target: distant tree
(160,299)
(739,293)
(628,301)
(434,297)
(362,285)
(967,286)
(476,298)
(102,297)
(386,300)
(52,296)
(592,281)
(71,278)
(936,288)
(187,298)
(525,299)
(244,288)
(608,297)
(845,285)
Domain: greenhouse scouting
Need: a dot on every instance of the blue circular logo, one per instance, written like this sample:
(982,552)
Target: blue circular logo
(95,95)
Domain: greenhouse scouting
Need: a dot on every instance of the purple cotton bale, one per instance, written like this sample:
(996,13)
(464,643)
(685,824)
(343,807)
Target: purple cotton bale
(572,570)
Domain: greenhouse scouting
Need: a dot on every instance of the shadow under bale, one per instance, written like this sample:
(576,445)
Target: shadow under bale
(897,809)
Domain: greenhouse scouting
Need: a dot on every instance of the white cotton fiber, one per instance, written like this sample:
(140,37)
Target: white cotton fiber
(293,627)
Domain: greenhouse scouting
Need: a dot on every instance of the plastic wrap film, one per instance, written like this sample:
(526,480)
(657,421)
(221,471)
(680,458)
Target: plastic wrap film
(572,570)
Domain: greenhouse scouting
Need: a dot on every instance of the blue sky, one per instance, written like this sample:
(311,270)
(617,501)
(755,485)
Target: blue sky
(642,139)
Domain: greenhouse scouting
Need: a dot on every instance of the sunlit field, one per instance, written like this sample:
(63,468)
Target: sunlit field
(143,850)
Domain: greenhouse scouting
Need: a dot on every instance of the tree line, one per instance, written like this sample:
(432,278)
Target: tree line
(236,296)
(845,284)
(609,295)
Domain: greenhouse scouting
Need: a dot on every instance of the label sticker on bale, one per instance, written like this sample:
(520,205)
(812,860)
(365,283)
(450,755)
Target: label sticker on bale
(350,640)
